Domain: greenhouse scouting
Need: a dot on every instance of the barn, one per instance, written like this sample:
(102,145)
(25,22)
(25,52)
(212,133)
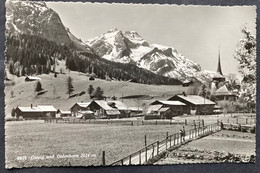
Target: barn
(108,109)
(195,103)
(167,109)
(36,112)
(82,106)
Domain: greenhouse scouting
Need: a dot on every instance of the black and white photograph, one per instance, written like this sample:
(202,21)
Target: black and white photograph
(117,84)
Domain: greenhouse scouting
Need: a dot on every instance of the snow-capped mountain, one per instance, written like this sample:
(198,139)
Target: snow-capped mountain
(130,47)
(35,18)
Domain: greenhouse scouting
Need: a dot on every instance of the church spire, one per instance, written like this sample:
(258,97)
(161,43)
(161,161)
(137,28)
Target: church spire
(219,65)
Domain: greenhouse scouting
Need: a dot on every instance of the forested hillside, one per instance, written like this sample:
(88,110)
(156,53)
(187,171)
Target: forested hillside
(30,54)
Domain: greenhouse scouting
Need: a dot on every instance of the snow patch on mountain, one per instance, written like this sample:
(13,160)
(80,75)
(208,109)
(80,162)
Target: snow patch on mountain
(130,47)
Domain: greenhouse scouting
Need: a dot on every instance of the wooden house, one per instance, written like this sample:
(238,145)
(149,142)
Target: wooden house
(82,106)
(195,103)
(105,109)
(167,109)
(61,113)
(36,112)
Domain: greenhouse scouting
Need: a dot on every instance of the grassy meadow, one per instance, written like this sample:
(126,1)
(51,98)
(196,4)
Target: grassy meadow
(36,138)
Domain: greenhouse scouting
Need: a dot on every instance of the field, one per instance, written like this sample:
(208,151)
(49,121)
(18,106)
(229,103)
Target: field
(35,139)
(223,146)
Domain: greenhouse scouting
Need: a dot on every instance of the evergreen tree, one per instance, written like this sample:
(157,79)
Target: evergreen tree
(70,87)
(90,90)
(38,86)
(13,112)
(99,93)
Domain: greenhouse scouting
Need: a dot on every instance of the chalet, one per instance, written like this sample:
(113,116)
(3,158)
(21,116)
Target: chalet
(186,83)
(167,109)
(61,113)
(195,103)
(135,111)
(85,115)
(82,106)
(36,112)
(124,111)
(108,109)
(224,94)
(31,78)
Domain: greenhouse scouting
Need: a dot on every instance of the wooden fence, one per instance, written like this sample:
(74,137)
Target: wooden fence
(152,150)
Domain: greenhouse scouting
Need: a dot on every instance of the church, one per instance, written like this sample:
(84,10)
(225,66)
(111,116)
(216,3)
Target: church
(218,88)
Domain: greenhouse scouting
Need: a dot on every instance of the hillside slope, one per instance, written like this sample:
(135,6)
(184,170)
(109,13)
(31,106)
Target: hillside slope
(60,99)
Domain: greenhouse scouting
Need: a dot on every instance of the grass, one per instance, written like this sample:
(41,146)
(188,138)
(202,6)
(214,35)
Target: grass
(37,139)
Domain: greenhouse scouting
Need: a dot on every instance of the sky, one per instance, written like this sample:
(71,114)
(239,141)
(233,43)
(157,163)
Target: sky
(195,31)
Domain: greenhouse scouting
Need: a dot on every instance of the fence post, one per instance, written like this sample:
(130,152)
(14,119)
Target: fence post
(246,120)
(157,147)
(185,122)
(237,121)
(132,123)
(170,141)
(122,162)
(145,142)
(166,140)
(145,154)
(130,159)
(174,139)
(153,152)
(140,158)
(103,159)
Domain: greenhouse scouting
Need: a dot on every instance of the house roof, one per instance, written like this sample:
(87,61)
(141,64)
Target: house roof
(47,108)
(33,78)
(119,105)
(29,109)
(81,104)
(43,108)
(103,104)
(218,76)
(135,108)
(222,91)
(112,112)
(154,108)
(164,109)
(186,81)
(168,102)
(196,100)
(64,112)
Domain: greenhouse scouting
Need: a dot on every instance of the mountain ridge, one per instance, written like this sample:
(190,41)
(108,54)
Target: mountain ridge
(130,47)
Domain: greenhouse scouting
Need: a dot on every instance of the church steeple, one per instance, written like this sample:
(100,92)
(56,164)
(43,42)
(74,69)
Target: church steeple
(219,65)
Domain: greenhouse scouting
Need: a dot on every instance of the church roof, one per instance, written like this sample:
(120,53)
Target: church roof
(223,91)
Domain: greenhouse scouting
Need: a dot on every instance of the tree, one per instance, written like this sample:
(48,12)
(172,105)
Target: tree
(90,90)
(99,93)
(70,87)
(13,112)
(38,86)
(245,54)
(12,94)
